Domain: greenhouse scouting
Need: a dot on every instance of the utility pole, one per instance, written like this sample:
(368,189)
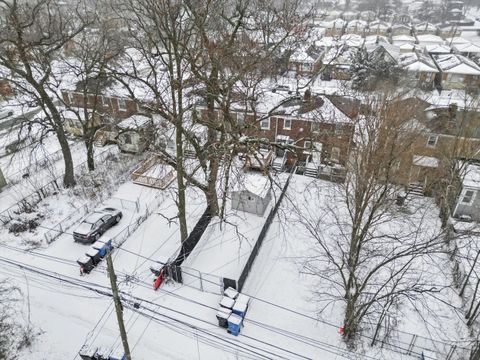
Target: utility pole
(118,306)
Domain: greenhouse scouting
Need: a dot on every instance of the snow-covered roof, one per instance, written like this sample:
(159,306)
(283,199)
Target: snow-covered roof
(302,56)
(456,64)
(456,40)
(438,49)
(359,24)
(254,182)
(400,26)
(425,161)
(467,48)
(352,40)
(417,62)
(337,23)
(403,38)
(134,122)
(429,39)
(425,26)
(472,176)
(320,109)
(378,24)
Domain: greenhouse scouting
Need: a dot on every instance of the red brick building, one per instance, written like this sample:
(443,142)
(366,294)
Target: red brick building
(117,107)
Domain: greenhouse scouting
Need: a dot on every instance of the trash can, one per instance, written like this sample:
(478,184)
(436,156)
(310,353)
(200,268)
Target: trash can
(95,255)
(222,317)
(117,355)
(103,246)
(240,308)
(234,324)
(401,196)
(241,298)
(226,302)
(231,293)
(86,264)
(103,353)
(87,353)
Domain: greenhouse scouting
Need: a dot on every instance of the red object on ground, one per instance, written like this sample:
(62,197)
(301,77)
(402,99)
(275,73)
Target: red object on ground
(158,281)
(342,330)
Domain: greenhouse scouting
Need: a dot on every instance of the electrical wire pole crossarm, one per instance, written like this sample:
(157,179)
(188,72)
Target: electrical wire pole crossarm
(118,307)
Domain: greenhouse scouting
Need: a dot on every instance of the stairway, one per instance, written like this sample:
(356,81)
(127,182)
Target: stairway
(415,189)
(189,154)
(311,171)
(278,164)
(100,139)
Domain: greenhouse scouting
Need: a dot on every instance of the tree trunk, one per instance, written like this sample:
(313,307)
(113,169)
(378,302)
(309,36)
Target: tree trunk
(57,124)
(181,184)
(90,158)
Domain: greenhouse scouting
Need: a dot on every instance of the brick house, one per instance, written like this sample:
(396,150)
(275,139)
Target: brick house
(309,124)
(114,106)
(440,131)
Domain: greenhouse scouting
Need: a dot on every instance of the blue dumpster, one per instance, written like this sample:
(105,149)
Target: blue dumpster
(104,247)
(117,355)
(234,324)
(240,308)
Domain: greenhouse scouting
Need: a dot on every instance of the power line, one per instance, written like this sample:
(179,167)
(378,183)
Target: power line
(105,291)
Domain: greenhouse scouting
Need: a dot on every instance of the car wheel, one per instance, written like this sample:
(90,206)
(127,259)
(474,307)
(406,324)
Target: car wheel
(117,219)
(96,237)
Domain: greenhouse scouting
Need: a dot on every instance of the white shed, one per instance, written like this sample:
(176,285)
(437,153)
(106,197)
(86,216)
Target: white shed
(251,193)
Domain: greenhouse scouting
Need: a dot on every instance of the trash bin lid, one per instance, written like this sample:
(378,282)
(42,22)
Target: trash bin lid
(227,302)
(241,298)
(84,260)
(235,319)
(231,292)
(223,313)
(87,351)
(240,306)
(98,245)
(92,252)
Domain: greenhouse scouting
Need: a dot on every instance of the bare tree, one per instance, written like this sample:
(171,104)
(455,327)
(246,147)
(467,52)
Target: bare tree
(92,53)
(369,250)
(33,33)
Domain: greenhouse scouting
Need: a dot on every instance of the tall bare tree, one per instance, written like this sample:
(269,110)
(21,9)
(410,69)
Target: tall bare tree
(369,250)
(33,33)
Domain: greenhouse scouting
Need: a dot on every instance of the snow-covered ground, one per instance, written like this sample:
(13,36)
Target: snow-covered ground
(178,321)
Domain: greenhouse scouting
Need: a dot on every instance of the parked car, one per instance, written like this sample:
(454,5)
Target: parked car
(95,224)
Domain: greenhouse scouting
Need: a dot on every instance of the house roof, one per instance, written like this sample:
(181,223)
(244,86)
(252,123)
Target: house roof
(425,161)
(406,38)
(429,38)
(302,56)
(378,24)
(360,24)
(417,62)
(254,182)
(467,48)
(456,40)
(318,108)
(425,26)
(438,49)
(456,64)
(472,176)
(134,122)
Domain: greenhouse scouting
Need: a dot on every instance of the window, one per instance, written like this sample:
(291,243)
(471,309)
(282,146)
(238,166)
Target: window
(338,129)
(335,154)
(265,124)
(100,100)
(240,119)
(71,98)
(307,144)
(122,105)
(432,141)
(127,138)
(468,197)
(315,126)
(287,124)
